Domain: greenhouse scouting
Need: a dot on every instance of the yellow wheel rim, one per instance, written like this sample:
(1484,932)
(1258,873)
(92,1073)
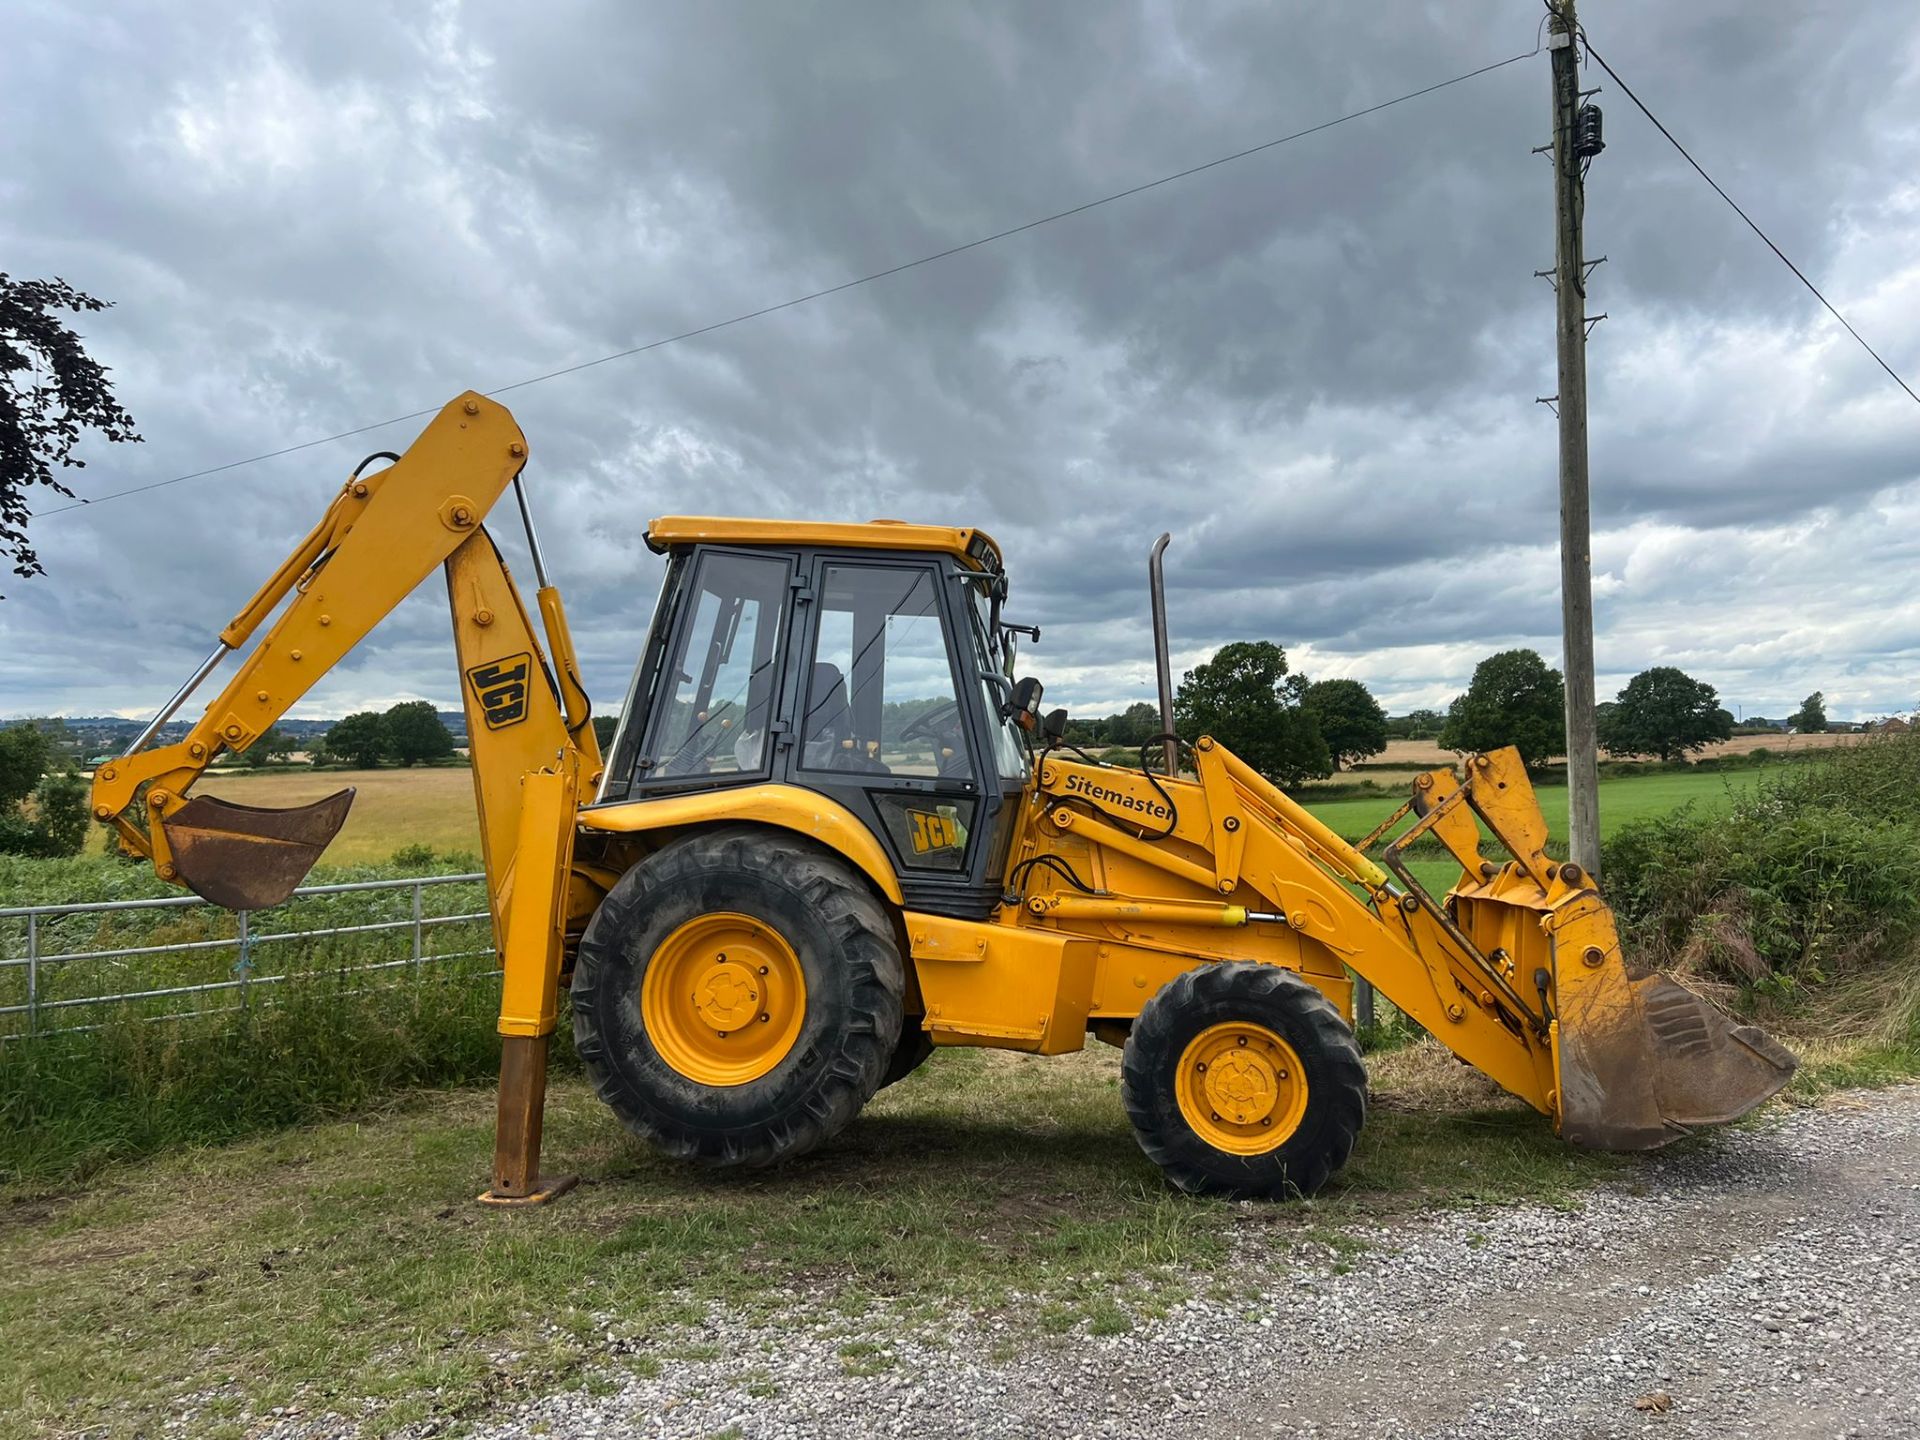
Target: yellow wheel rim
(723,999)
(1241,1088)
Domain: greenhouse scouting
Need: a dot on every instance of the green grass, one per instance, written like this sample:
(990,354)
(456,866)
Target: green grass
(325,1044)
(1622,800)
(346,1261)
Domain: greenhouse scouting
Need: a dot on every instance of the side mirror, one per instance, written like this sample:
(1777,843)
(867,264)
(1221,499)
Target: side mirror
(1053,725)
(1022,706)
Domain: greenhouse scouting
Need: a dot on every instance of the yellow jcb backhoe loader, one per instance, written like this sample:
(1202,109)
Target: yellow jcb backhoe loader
(835,831)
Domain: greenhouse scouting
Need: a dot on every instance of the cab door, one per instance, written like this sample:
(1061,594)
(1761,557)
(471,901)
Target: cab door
(884,722)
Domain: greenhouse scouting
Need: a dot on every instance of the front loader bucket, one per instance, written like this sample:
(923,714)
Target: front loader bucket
(1646,1061)
(247,857)
(1639,1060)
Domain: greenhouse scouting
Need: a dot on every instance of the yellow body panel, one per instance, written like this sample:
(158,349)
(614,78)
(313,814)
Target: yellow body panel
(957,541)
(535,925)
(787,806)
(1012,987)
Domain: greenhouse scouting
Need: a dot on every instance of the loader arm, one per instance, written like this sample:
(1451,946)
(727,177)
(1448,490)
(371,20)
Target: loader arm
(382,535)
(1517,970)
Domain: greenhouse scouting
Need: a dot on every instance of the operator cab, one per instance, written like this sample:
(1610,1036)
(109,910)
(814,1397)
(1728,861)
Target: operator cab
(867,663)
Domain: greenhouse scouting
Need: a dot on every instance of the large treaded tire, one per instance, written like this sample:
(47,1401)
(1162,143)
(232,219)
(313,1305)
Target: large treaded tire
(850,1026)
(1280,1001)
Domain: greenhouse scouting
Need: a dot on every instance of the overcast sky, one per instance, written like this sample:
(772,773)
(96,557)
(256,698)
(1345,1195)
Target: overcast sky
(1316,367)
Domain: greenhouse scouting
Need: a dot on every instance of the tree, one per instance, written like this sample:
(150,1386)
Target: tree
(1135,725)
(360,738)
(1812,714)
(415,732)
(1663,712)
(1514,699)
(40,813)
(1245,699)
(60,815)
(23,760)
(1350,719)
(1424,724)
(274,745)
(51,392)
(603,728)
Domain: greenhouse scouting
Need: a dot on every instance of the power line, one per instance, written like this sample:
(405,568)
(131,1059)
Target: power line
(765,310)
(1800,275)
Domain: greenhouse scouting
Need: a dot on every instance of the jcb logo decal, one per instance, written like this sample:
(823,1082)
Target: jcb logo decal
(501,688)
(933,831)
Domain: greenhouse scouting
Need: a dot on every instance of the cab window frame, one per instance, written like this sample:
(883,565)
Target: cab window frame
(805,648)
(643,775)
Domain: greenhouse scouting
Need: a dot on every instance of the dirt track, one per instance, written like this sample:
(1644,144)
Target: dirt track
(1759,1283)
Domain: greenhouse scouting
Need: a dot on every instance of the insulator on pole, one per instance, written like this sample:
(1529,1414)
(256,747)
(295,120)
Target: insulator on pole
(1588,140)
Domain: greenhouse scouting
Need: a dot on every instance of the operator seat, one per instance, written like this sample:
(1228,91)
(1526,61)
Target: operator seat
(827,729)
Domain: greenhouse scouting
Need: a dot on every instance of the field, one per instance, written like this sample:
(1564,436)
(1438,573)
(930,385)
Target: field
(391,808)
(434,807)
(1395,767)
(1622,800)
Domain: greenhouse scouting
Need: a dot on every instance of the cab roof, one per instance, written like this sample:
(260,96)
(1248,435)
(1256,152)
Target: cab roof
(973,548)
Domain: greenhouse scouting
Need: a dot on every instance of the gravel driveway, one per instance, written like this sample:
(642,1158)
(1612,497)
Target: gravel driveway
(1765,1283)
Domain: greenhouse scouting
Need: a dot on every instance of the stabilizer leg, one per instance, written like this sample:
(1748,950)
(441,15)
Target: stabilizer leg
(516,1138)
(529,989)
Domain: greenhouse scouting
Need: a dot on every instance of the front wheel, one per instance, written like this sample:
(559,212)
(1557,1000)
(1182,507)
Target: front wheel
(1242,1079)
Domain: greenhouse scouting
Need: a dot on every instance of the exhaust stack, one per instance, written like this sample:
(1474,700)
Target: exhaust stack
(1163,664)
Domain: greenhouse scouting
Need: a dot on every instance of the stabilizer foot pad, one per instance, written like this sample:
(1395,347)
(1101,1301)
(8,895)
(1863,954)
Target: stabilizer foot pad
(547,1187)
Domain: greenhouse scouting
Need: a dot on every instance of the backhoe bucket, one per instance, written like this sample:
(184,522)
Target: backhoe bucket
(247,857)
(1639,1060)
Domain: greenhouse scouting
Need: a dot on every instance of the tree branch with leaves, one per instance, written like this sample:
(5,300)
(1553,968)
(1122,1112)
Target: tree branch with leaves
(51,394)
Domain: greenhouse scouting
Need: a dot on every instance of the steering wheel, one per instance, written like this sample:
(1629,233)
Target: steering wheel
(938,724)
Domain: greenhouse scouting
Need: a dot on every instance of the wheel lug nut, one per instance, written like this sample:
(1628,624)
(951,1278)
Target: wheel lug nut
(764,1017)
(1201,1067)
(1266,1120)
(1243,1039)
(763,969)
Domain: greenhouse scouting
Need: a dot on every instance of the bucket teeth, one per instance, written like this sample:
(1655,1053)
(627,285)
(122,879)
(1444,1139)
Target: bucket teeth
(246,857)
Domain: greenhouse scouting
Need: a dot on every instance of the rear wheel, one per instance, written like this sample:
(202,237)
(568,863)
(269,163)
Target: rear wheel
(737,997)
(1242,1079)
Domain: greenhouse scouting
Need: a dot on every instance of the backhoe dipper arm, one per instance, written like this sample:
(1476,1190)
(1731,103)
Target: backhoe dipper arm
(382,535)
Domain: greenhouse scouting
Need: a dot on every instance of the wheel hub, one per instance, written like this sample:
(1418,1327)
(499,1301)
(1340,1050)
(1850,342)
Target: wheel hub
(1241,1088)
(722,999)
(726,997)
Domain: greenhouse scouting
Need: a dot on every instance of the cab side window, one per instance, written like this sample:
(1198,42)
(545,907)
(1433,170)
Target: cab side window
(880,697)
(721,677)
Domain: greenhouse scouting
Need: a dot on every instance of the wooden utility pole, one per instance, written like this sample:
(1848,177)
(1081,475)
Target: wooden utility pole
(1576,564)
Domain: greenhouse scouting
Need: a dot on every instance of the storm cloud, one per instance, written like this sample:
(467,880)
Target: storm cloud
(1316,366)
